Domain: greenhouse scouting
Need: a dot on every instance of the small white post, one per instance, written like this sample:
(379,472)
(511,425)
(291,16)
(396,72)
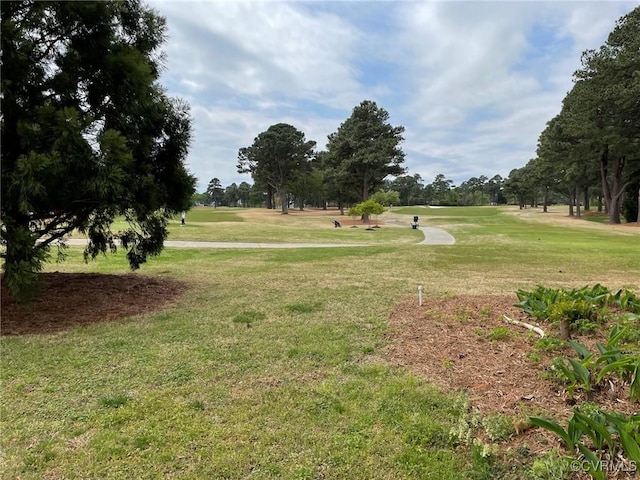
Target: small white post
(420,295)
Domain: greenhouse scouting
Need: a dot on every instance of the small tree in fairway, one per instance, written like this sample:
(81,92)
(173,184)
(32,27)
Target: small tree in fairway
(366,209)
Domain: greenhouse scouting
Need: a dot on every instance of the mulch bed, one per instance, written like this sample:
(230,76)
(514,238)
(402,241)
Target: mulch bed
(446,341)
(68,300)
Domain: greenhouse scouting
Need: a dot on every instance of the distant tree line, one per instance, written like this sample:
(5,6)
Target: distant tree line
(234,195)
(402,190)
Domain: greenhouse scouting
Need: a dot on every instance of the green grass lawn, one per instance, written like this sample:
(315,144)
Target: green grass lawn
(257,225)
(213,215)
(194,393)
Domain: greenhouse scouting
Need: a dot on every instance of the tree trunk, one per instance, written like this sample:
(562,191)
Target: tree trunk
(587,199)
(638,217)
(571,214)
(545,199)
(613,186)
(281,191)
(576,200)
(604,164)
(270,205)
(614,211)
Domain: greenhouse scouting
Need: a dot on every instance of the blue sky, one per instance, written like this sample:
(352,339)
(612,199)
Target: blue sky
(472,82)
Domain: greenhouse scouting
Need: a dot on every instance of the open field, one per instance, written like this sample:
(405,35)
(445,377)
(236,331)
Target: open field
(273,363)
(259,225)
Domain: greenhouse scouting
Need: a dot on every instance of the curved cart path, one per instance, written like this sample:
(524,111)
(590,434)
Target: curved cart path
(432,236)
(436,236)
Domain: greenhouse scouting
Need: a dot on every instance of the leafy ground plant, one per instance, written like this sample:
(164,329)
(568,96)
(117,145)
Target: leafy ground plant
(498,333)
(576,374)
(609,432)
(579,309)
(591,369)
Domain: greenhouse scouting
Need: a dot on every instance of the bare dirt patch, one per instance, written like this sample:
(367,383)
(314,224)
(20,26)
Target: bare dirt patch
(331,214)
(448,341)
(68,300)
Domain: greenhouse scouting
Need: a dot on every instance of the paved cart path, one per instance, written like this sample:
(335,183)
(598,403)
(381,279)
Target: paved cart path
(433,236)
(436,236)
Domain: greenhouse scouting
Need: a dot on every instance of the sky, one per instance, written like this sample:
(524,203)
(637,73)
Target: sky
(473,82)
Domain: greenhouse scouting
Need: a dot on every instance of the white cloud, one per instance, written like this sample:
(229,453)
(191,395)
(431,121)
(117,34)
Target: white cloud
(466,55)
(261,49)
(473,82)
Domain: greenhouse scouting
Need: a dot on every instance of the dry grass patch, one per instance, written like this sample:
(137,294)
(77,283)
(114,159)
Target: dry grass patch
(560,216)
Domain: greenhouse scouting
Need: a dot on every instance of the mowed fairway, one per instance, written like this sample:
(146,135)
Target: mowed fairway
(272,364)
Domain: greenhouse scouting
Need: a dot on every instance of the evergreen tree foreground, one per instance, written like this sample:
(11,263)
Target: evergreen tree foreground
(88,133)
